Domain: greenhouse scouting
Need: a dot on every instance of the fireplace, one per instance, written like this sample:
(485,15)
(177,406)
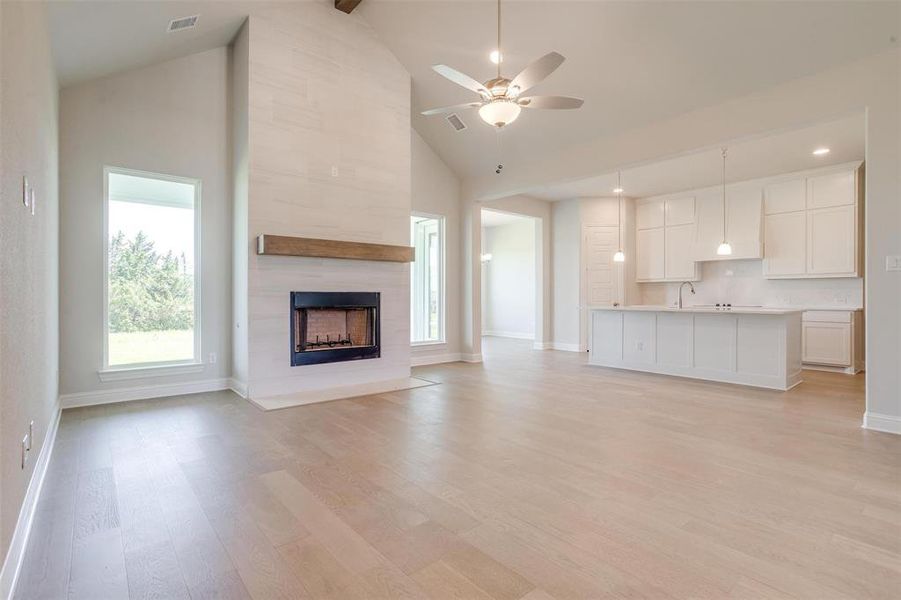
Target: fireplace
(334,326)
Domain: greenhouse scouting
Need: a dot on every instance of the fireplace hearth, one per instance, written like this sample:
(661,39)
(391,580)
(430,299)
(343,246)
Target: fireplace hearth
(334,326)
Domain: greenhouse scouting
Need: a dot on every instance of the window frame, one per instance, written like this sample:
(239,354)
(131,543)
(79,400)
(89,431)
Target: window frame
(109,372)
(442,270)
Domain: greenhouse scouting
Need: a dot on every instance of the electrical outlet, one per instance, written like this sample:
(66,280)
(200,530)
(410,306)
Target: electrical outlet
(213,358)
(334,170)
(893,263)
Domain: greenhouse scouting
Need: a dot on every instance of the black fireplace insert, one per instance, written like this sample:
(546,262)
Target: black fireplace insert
(334,326)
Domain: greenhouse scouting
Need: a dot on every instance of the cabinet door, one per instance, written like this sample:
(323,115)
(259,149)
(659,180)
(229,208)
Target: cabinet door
(709,225)
(649,250)
(786,244)
(785,196)
(830,241)
(649,215)
(834,189)
(679,262)
(826,344)
(680,211)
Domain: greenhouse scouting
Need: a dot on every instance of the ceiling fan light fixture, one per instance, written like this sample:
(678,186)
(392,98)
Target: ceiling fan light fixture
(496,57)
(500,112)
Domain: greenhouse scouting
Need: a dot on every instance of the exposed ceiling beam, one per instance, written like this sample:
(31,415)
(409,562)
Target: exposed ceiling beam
(347,6)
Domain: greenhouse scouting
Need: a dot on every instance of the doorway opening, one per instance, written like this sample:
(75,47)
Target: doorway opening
(510,280)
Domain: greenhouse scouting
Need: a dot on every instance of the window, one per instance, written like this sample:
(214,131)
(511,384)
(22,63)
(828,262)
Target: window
(427,280)
(151,292)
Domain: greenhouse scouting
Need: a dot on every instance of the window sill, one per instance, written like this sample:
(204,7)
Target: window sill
(120,374)
(435,343)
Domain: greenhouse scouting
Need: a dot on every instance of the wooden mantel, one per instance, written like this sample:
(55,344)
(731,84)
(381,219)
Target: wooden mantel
(281,245)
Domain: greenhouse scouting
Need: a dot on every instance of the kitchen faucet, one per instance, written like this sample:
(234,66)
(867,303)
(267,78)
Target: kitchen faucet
(690,287)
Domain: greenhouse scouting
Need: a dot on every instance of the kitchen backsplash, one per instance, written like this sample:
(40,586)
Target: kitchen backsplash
(741,282)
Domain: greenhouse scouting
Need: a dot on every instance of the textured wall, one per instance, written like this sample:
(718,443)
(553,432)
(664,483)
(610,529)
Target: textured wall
(329,147)
(29,347)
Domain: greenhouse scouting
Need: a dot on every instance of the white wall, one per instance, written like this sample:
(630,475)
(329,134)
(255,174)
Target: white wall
(239,57)
(436,191)
(509,293)
(567,254)
(167,118)
(29,342)
(325,93)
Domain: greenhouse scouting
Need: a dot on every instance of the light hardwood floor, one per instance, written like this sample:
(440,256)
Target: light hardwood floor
(531,476)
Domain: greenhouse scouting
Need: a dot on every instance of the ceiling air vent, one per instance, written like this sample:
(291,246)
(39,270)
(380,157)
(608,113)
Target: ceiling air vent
(183,23)
(456,122)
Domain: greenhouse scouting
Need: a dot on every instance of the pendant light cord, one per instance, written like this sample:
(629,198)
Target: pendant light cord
(619,211)
(724,195)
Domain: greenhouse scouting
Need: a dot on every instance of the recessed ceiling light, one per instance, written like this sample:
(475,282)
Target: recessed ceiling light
(495,57)
(618,190)
(821,151)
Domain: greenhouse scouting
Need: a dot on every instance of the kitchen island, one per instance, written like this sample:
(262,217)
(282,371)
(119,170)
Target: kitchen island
(759,347)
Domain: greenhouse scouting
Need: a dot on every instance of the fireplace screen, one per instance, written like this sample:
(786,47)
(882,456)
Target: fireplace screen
(333,326)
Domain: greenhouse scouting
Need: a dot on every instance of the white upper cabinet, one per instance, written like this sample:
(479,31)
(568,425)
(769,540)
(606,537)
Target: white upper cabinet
(786,245)
(821,237)
(785,196)
(830,240)
(679,211)
(649,255)
(679,263)
(833,189)
(649,214)
(743,222)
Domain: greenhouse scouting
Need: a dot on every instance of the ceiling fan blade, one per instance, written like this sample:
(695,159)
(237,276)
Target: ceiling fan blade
(461,79)
(537,71)
(450,109)
(558,102)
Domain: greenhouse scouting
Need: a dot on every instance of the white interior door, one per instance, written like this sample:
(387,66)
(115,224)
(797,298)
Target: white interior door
(601,274)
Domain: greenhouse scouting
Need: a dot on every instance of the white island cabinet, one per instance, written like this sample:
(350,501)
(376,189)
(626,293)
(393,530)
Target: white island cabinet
(750,346)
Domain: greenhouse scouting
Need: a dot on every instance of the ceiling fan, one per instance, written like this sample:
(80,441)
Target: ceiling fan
(501,99)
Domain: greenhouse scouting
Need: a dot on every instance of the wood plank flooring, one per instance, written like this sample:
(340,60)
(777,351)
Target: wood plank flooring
(532,476)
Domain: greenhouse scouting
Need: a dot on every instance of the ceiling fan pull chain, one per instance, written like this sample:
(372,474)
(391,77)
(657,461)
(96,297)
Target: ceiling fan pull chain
(500,162)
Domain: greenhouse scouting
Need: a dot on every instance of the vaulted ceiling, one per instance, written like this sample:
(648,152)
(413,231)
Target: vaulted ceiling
(634,62)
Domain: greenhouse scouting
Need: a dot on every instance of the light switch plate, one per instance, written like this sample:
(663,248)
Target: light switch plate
(893,263)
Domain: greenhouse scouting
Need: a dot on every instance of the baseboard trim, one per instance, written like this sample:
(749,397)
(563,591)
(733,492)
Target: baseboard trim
(881,422)
(510,334)
(238,387)
(565,347)
(338,393)
(420,360)
(471,358)
(142,392)
(543,346)
(15,555)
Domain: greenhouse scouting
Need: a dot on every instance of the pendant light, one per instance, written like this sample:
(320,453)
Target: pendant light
(725,248)
(619,256)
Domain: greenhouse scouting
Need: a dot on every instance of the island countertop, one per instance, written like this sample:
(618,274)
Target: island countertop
(735,310)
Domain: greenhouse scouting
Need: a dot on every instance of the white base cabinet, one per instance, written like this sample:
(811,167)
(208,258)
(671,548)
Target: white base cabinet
(832,340)
(761,349)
